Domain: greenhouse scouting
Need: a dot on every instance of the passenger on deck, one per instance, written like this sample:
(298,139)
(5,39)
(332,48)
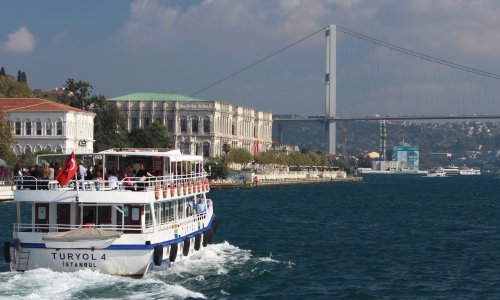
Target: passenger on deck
(82,171)
(113,180)
(200,207)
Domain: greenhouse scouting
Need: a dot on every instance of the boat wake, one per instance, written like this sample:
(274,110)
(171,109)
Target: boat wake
(203,275)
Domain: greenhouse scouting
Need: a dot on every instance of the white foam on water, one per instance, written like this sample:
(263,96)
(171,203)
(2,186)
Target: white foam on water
(46,284)
(216,259)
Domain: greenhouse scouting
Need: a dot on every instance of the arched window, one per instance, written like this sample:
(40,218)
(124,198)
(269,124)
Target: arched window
(17,150)
(27,127)
(18,127)
(206,125)
(38,148)
(27,149)
(59,149)
(206,149)
(48,148)
(194,124)
(59,127)
(170,124)
(184,148)
(184,124)
(48,127)
(38,127)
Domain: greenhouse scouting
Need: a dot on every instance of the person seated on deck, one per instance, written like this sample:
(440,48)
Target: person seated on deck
(200,207)
(113,180)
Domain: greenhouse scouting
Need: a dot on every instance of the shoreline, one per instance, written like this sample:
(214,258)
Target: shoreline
(239,185)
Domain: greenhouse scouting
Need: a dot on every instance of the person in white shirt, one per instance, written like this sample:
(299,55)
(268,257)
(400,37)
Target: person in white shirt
(113,180)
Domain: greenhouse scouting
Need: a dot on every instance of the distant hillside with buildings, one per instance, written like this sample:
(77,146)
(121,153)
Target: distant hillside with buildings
(459,143)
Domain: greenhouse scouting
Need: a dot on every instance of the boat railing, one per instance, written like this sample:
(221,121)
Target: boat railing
(29,227)
(183,184)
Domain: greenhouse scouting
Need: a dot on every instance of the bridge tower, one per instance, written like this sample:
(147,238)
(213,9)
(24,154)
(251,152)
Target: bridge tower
(331,88)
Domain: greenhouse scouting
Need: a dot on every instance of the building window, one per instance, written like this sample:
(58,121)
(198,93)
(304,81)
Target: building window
(233,129)
(27,149)
(48,148)
(59,149)
(170,125)
(135,122)
(158,120)
(27,127)
(206,125)
(38,127)
(184,123)
(255,131)
(38,148)
(18,127)
(194,125)
(206,149)
(147,121)
(48,127)
(59,127)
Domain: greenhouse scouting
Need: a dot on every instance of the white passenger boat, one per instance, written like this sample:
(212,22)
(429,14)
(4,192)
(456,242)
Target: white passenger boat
(129,228)
(436,172)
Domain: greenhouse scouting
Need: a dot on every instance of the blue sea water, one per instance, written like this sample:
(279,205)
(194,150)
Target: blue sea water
(388,237)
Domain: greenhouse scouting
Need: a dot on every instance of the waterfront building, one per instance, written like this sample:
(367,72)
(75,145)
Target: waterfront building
(42,124)
(198,126)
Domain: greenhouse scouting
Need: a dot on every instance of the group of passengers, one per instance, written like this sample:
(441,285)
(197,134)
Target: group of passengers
(28,177)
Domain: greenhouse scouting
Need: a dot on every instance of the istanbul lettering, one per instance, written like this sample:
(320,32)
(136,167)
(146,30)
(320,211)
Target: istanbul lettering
(77,260)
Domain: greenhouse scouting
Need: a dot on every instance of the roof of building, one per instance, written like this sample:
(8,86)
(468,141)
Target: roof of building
(155,97)
(35,104)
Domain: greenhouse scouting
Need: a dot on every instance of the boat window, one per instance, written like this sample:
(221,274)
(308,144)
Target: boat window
(104,213)
(148,216)
(89,214)
(170,215)
(136,214)
(42,213)
(180,211)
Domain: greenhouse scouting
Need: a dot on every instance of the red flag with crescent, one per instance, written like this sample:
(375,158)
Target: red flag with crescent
(68,170)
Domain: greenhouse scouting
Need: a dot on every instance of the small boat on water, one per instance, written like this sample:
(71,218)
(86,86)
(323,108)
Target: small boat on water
(470,171)
(436,172)
(124,228)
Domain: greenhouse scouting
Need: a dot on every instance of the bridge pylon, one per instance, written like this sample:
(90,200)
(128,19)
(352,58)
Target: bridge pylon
(331,89)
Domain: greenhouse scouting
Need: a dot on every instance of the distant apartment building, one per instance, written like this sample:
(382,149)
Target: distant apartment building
(197,126)
(42,124)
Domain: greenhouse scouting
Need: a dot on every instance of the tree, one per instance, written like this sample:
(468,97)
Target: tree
(10,88)
(7,139)
(152,136)
(78,94)
(217,168)
(2,72)
(240,156)
(109,125)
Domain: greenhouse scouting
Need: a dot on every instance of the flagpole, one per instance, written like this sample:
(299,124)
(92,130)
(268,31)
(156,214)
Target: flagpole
(77,184)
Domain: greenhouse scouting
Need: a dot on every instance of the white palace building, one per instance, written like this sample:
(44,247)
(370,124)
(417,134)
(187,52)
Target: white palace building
(199,126)
(42,124)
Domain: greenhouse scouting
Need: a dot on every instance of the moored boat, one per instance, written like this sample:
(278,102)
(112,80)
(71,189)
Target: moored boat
(125,228)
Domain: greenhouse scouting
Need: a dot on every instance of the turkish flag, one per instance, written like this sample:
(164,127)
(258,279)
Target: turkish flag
(68,170)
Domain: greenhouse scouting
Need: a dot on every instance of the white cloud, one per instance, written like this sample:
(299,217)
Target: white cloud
(19,42)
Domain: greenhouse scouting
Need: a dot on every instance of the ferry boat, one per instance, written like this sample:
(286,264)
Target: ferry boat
(436,172)
(124,228)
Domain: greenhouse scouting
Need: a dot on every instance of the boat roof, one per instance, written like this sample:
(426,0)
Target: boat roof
(173,155)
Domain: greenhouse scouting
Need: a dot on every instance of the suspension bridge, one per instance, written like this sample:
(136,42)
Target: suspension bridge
(331,116)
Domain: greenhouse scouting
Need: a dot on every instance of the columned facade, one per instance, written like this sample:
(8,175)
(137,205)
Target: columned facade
(198,126)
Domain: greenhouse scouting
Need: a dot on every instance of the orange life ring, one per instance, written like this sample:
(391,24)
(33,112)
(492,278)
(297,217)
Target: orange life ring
(184,188)
(165,191)
(172,191)
(157,192)
(190,187)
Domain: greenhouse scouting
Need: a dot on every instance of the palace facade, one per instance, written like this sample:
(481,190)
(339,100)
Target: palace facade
(42,124)
(197,126)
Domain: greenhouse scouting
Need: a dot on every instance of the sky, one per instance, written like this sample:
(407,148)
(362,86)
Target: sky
(122,47)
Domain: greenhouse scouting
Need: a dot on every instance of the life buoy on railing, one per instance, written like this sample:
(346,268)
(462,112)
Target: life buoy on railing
(172,189)
(165,190)
(179,188)
(88,225)
(184,188)
(190,187)
(157,191)
(205,184)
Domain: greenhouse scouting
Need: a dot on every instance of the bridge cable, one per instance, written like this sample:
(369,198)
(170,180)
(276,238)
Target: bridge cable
(417,54)
(257,62)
